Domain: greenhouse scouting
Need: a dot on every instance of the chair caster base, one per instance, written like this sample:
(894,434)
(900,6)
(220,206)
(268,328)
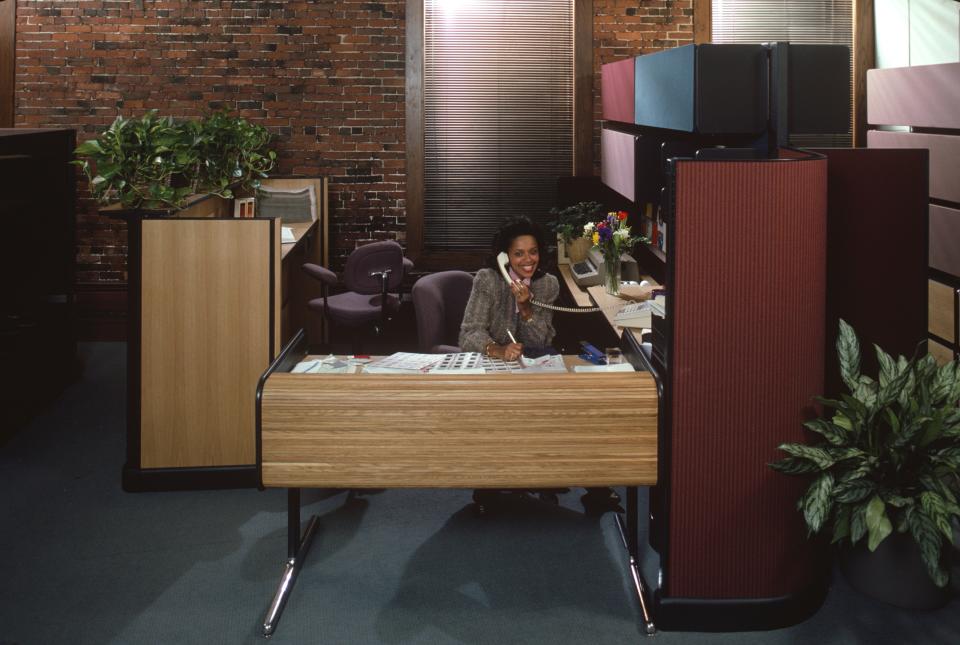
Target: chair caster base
(598,501)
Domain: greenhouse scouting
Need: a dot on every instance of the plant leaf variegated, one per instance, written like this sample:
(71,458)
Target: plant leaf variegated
(887,456)
(156,162)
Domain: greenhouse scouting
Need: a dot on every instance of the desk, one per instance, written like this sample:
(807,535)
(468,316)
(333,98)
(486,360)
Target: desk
(439,431)
(597,296)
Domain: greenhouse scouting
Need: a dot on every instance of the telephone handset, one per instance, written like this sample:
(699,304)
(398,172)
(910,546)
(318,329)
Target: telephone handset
(503,260)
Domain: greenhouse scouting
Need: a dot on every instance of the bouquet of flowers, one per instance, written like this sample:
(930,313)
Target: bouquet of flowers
(612,236)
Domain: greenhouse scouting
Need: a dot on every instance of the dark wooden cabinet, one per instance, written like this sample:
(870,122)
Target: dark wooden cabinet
(37,249)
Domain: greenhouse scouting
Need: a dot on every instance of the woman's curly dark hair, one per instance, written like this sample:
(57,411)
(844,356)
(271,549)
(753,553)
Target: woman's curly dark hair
(512,229)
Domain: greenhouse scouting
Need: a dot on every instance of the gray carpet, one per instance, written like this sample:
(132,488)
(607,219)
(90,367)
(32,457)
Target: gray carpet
(84,562)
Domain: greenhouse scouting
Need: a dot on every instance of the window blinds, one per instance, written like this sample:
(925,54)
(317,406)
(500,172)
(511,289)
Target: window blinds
(498,114)
(803,22)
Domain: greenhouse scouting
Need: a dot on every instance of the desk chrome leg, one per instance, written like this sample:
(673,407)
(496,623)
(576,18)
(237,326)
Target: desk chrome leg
(638,584)
(290,571)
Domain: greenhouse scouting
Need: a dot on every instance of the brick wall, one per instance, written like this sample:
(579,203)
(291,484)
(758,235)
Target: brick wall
(326,76)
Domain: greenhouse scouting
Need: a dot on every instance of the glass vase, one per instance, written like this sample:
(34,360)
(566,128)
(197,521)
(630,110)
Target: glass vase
(611,279)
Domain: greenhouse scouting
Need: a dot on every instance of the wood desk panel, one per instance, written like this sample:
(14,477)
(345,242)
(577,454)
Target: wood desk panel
(497,430)
(205,338)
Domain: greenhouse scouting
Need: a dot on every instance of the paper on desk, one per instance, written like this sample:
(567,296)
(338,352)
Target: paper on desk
(619,367)
(286,235)
(329,365)
(405,361)
(545,363)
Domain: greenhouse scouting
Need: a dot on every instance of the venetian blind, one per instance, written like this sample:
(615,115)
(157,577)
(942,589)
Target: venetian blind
(803,22)
(498,114)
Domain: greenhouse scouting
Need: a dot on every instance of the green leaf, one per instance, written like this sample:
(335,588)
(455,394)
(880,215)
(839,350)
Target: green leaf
(854,491)
(841,524)
(842,421)
(932,429)
(848,351)
(794,466)
(858,523)
(935,508)
(943,382)
(888,366)
(89,149)
(833,434)
(878,524)
(818,456)
(817,502)
(930,542)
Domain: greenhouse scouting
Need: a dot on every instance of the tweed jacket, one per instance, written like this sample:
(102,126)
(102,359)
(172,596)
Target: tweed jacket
(492,310)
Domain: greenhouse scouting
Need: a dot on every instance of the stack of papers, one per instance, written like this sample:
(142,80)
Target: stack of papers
(286,235)
(404,363)
(329,365)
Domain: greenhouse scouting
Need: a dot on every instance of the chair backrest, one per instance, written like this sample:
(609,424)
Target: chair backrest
(439,300)
(373,257)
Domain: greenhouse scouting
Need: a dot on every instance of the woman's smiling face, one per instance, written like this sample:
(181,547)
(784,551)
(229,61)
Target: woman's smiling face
(524,255)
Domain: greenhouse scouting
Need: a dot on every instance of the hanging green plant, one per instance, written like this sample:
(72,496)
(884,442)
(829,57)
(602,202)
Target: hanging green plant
(155,162)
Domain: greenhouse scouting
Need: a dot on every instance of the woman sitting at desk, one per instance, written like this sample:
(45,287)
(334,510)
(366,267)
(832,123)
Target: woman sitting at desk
(497,309)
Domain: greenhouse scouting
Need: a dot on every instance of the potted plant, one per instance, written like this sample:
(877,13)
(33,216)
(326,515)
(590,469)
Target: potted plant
(886,472)
(568,225)
(154,162)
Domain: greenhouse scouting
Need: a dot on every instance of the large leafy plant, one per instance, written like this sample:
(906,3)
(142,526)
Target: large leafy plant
(889,455)
(155,162)
(568,222)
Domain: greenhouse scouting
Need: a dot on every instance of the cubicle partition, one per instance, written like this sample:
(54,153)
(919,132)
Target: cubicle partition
(742,355)
(212,300)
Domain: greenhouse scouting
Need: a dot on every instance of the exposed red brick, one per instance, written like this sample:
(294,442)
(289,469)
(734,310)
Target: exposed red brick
(326,78)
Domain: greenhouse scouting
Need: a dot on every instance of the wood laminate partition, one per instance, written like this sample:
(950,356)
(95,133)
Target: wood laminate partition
(207,322)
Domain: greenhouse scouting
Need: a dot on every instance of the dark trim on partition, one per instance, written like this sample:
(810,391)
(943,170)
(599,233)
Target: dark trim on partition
(949,344)
(864,58)
(289,356)
(273,287)
(139,480)
(134,294)
(945,203)
(738,614)
(919,129)
(943,277)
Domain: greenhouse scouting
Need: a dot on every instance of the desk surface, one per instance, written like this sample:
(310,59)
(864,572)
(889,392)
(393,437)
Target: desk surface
(597,296)
(299,230)
(427,430)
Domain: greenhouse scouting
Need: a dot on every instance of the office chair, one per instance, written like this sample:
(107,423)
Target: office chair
(372,276)
(439,300)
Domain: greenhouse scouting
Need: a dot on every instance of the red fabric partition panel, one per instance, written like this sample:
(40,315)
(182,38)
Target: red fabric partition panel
(876,252)
(617,90)
(748,288)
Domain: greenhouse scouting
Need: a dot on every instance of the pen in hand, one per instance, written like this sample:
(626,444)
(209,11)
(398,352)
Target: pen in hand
(514,341)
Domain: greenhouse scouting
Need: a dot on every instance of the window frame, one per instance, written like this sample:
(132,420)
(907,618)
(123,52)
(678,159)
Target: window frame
(582,130)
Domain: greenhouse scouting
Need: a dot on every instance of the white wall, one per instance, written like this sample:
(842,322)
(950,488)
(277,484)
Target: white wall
(917,32)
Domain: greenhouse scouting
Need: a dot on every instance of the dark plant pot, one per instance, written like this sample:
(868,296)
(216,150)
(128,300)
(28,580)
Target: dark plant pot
(893,574)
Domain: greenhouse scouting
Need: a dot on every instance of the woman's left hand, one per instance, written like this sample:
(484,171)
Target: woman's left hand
(520,291)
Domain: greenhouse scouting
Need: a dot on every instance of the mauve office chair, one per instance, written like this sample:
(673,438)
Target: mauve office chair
(439,300)
(372,277)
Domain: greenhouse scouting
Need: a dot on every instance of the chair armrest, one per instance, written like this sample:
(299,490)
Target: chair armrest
(324,275)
